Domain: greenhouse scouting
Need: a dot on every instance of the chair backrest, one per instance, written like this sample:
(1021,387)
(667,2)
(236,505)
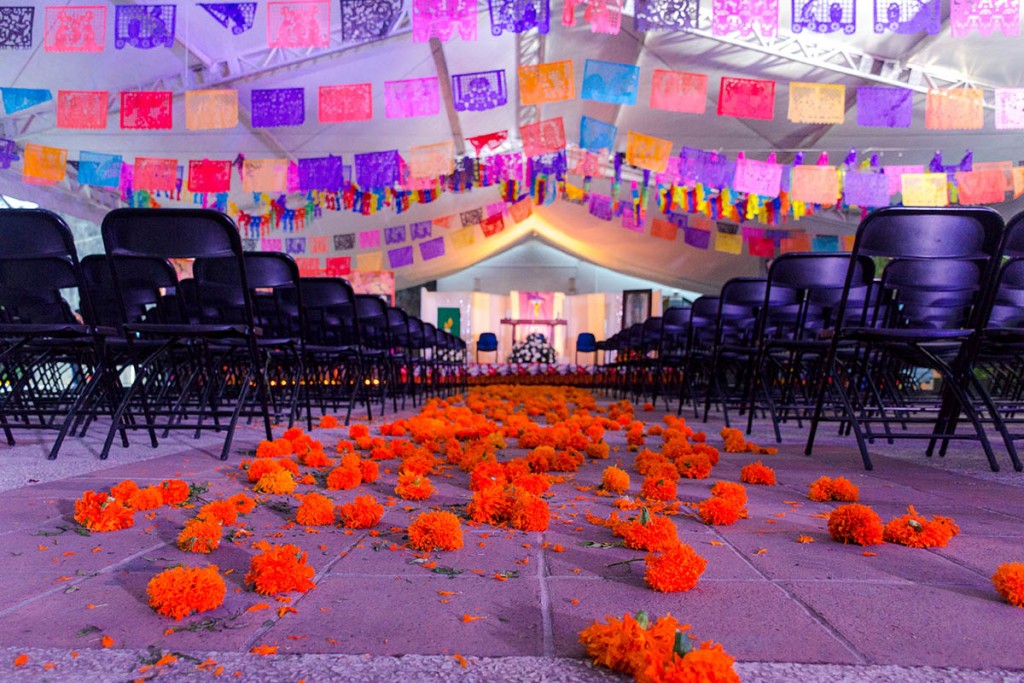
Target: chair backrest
(329,312)
(149,290)
(182,234)
(372,317)
(586,342)
(273,281)
(487,341)
(38,259)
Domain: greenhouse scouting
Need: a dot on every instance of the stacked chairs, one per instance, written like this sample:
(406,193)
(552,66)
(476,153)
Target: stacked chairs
(700,340)
(195,367)
(54,366)
(380,374)
(930,301)
(670,356)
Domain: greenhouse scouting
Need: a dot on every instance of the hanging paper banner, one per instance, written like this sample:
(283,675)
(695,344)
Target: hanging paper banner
(1004,167)
(1009,108)
(961,109)
(553,164)
(321,173)
(431,161)
(44,165)
(492,225)
(825,16)
(278,107)
(817,103)
(815,185)
(708,168)
(500,168)
(211,109)
(471,217)
(679,91)
(295,245)
(480,90)
(16,27)
(82,109)
(651,15)
(671,175)
(981,187)
(462,238)
(299,23)
(663,229)
(394,235)
(209,176)
(155,175)
(634,220)
(610,82)
(377,170)
(144,26)
(604,16)
(867,190)
(907,16)
(763,247)
(265,175)
(588,164)
(697,238)
(985,16)
(727,238)
(237,16)
(442,18)
(924,189)
(647,152)
(99,170)
(400,257)
(798,243)
(488,141)
(551,82)
(757,177)
(16,99)
(271,244)
(746,98)
(412,97)
(347,241)
(338,266)
(824,243)
(75,29)
(543,137)
(884,107)
(444,222)
(421,230)
(371,262)
(308,266)
(519,211)
(341,103)
(432,249)
(369,239)
(597,135)
(146,110)
(601,206)
(894,174)
(362,21)
(745,17)
(519,16)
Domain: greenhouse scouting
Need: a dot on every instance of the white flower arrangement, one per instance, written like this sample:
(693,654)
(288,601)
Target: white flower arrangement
(534,349)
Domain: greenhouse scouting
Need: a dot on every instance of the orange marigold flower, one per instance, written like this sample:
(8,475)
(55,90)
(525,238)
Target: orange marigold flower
(328,422)
(435,530)
(615,480)
(255,469)
(276,483)
(124,490)
(315,458)
(175,491)
(413,486)
(649,532)
(734,441)
(243,503)
(758,474)
(695,465)
(737,493)
(541,458)
(279,569)
(102,512)
(708,664)
(358,431)
(315,510)
(840,489)
(362,513)
(487,473)
(490,505)
(627,645)
(675,568)
(200,536)
(534,483)
(344,478)
(1009,582)
(707,450)
(658,488)
(149,498)
(274,449)
(530,513)
(914,531)
(805,539)
(222,512)
(180,591)
(293,434)
(855,523)
(598,451)
(719,511)
(369,470)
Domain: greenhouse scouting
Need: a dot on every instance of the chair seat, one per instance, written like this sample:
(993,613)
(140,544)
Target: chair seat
(182,330)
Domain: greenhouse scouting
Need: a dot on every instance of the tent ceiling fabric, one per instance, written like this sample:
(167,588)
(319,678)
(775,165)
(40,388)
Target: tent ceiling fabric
(208,55)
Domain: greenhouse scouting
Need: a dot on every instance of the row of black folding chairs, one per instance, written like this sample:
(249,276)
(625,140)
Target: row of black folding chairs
(918,333)
(241,337)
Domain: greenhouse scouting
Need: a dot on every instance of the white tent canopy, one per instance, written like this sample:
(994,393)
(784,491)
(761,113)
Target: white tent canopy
(206,56)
